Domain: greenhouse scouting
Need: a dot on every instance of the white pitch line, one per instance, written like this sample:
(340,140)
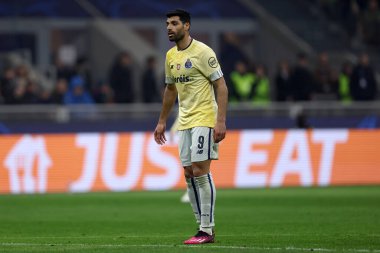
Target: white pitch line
(137,236)
(291,249)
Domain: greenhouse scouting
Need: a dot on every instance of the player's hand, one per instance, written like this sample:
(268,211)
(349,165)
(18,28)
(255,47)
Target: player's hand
(159,134)
(219,132)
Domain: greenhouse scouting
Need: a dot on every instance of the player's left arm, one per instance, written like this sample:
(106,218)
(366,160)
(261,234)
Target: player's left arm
(221,90)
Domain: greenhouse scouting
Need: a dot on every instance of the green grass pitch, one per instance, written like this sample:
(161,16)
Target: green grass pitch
(331,219)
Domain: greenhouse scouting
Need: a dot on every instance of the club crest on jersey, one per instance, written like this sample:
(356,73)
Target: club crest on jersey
(188,64)
(178,66)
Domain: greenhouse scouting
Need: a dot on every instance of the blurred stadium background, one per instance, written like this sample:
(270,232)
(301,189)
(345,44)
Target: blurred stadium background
(90,73)
(44,44)
(80,94)
(75,67)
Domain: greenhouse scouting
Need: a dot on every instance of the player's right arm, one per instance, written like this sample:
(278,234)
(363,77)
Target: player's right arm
(170,95)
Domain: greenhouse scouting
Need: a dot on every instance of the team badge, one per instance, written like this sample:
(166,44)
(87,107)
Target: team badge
(178,66)
(188,64)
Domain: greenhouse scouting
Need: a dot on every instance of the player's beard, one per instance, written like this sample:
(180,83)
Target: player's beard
(177,37)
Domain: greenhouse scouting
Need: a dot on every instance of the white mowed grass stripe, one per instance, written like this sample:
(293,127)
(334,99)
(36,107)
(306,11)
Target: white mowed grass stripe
(84,245)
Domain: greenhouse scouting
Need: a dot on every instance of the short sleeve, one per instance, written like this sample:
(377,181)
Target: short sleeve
(168,76)
(210,66)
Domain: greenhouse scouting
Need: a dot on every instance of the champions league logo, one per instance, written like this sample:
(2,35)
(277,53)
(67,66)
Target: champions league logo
(188,64)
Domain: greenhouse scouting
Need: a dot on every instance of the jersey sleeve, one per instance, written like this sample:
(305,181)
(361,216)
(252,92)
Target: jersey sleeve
(209,65)
(168,75)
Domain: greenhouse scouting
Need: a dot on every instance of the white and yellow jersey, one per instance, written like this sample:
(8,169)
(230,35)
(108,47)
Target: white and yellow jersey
(193,70)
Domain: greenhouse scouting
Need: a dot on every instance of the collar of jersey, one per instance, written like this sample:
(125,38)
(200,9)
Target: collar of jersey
(191,42)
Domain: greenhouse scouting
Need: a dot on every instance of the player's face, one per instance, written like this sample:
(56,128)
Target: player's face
(176,29)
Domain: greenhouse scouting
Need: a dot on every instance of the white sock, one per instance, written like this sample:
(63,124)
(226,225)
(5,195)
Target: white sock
(207,196)
(193,191)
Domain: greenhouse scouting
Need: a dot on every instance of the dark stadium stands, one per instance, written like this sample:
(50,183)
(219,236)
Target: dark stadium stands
(308,24)
(42,8)
(237,31)
(120,8)
(157,8)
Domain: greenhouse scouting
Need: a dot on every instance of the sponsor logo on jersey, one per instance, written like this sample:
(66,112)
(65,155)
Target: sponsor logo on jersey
(212,62)
(188,64)
(182,79)
(199,152)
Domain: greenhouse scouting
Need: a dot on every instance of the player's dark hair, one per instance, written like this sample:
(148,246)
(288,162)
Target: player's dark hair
(183,15)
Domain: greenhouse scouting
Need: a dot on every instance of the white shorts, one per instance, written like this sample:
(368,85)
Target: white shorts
(196,145)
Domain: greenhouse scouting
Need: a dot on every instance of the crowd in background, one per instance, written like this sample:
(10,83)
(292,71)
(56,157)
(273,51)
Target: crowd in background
(360,18)
(305,79)
(296,81)
(247,82)
(74,84)
(302,82)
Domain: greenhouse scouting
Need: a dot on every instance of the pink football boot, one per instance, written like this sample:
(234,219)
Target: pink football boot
(200,238)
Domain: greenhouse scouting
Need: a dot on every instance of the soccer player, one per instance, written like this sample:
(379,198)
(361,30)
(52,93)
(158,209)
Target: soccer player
(192,73)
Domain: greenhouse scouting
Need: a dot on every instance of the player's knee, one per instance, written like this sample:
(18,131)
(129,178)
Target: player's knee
(201,168)
(188,171)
